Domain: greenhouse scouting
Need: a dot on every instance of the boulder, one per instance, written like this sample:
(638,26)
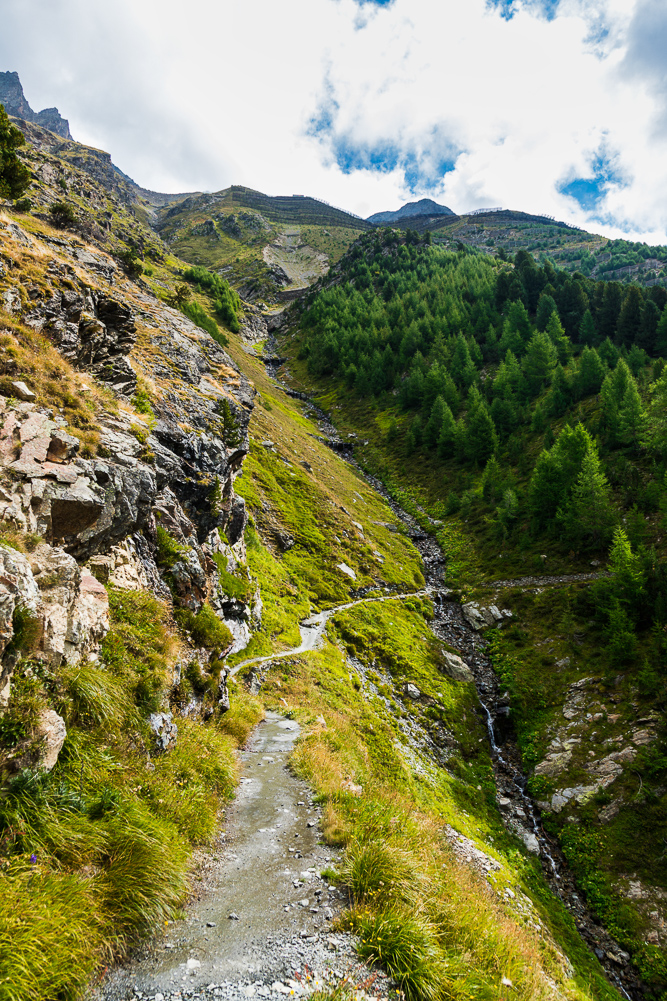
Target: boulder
(482,617)
(74,607)
(412,691)
(456,668)
(17,590)
(223,692)
(50,732)
(22,392)
(348,571)
(41,749)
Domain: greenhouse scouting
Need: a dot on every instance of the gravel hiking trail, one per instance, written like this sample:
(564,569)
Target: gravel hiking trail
(259,921)
(313,627)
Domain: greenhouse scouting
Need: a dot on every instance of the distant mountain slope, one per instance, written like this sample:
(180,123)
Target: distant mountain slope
(15,103)
(424,207)
(264,244)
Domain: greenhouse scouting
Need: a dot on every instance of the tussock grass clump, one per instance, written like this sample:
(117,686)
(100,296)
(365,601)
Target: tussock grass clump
(143,875)
(139,646)
(95,697)
(50,938)
(407,946)
(245,712)
(205,628)
(95,854)
(379,872)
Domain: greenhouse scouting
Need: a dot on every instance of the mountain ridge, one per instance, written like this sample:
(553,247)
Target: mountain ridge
(15,102)
(423,207)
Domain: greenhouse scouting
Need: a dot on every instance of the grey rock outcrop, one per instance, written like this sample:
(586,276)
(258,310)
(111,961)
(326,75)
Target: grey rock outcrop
(93,331)
(50,734)
(166,731)
(68,608)
(14,100)
(41,749)
(482,617)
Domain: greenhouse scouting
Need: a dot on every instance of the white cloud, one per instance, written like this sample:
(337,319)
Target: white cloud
(221,92)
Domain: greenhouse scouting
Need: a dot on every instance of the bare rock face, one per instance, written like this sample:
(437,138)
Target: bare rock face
(14,100)
(39,751)
(18,590)
(166,732)
(93,331)
(70,609)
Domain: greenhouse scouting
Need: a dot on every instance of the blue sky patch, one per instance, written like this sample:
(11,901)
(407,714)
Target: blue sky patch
(589,192)
(508,8)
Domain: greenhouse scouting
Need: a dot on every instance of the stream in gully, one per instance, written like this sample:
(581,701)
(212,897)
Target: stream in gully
(519,811)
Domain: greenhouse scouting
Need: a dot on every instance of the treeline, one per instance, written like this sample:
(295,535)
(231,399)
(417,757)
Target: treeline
(482,356)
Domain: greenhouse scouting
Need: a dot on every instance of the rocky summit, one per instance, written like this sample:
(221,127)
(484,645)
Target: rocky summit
(333,596)
(15,103)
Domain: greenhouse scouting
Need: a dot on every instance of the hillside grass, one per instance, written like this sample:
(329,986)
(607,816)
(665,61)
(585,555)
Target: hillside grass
(95,855)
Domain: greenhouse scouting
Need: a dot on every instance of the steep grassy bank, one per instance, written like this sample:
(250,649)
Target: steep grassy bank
(95,854)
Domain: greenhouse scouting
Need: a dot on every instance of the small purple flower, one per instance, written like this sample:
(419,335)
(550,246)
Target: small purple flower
(33,858)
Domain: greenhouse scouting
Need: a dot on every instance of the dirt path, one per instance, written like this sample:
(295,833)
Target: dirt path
(312,628)
(265,870)
(547,581)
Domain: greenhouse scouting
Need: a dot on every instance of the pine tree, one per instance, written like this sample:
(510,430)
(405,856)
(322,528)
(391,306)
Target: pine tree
(632,421)
(572,304)
(611,398)
(482,439)
(661,335)
(462,366)
(434,423)
(637,359)
(516,329)
(556,472)
(447,436)
(628,577)
(559,339)
(609,353)
(630,317)
(461,440)
(611,306)
(14,175)
(588,516)
(649,326)
(504,416)
(545,307)
(492,481)
(560,395)
(414,438)
(587,331)
(539,362)
(590,372)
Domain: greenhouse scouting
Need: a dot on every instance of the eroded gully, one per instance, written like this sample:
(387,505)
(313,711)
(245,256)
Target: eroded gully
(519,811)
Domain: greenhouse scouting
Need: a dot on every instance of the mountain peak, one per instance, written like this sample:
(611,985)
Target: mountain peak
(14,100)
(425,206)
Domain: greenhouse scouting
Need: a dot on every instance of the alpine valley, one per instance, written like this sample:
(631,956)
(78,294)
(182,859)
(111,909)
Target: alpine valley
(333,595)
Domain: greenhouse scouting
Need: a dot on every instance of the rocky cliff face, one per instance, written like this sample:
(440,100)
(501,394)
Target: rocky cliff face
(98,509)
(14,100)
